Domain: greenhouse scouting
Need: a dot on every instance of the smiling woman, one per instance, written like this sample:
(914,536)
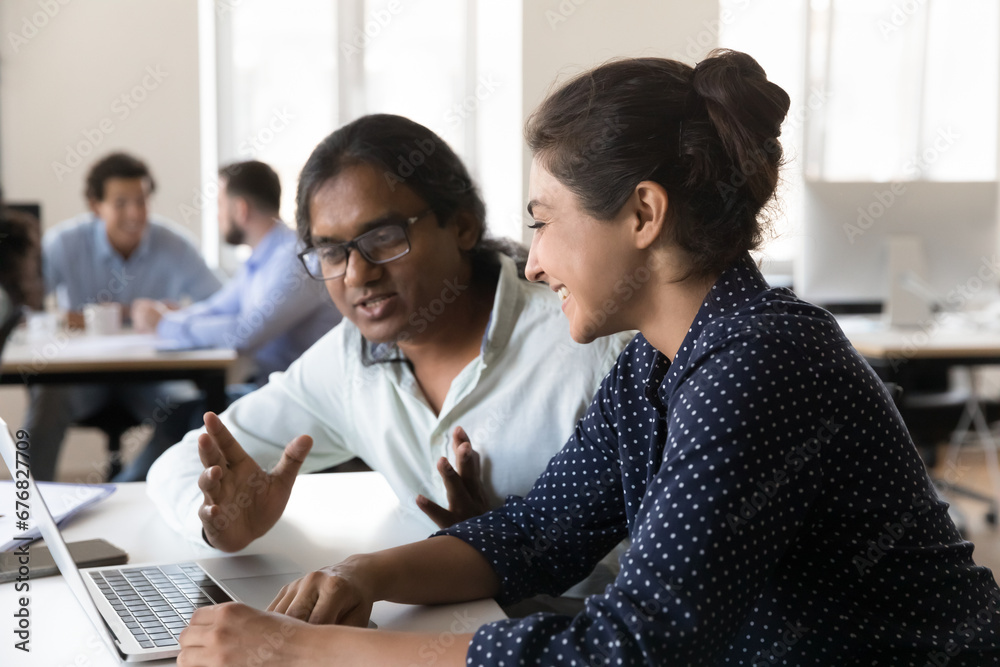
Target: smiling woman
(744,542)
(395,228)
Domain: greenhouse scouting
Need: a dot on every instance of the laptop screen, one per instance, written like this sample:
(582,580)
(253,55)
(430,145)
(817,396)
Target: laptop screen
(18,463)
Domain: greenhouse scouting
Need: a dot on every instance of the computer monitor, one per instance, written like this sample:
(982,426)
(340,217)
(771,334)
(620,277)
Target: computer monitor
(850,227)
(31,208)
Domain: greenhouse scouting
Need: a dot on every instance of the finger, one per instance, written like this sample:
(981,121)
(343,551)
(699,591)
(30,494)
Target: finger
(210,483)
(212,519)
(472,473)
(458,439)
(284,597)
(292,459)
(223,439)
(303,603)
(358,616)
(202,616)
(439,515)
(330,606)
(209,452)
(467,462)
(454,486)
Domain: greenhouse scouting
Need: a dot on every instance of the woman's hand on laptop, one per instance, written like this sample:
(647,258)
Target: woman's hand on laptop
(335,595)
(235,634)
(242,501)
(463,484)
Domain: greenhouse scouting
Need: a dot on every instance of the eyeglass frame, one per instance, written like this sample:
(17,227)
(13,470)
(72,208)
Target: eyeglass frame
(354,244)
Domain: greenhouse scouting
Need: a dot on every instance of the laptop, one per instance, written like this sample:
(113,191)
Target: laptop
(139,610)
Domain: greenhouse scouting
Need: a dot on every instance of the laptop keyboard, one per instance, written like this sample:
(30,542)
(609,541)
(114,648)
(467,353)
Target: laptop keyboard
(156,603)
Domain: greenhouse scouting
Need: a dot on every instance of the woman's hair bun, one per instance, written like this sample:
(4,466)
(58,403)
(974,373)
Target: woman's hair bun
(746,109)
(734,86)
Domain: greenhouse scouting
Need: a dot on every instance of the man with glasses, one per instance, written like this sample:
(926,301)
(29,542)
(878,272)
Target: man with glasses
(270,312)
(388,241)
(451,375)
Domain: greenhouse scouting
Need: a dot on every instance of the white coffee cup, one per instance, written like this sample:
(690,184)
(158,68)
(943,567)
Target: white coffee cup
(102,319)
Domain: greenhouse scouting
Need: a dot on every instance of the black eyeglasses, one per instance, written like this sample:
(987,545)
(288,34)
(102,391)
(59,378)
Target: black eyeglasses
(383,244)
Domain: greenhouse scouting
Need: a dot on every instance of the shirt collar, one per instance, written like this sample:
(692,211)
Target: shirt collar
(507,299)
(736,285)
(271,242)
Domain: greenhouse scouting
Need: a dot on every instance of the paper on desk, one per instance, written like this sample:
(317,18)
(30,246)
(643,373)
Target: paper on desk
(63,500)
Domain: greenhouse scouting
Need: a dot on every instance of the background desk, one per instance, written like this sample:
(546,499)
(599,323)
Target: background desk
(78,359)
(329,517)
(898,355)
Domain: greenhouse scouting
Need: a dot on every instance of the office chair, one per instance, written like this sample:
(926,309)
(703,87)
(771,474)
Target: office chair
(937,411)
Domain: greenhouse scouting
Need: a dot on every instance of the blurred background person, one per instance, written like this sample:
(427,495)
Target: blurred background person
(115,253)
(270,312)
(20,268)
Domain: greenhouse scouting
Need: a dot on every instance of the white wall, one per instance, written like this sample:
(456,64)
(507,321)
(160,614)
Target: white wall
(565,37)
(64,69)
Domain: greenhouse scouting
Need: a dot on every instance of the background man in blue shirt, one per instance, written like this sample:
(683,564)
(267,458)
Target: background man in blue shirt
(271,311)
(114,254)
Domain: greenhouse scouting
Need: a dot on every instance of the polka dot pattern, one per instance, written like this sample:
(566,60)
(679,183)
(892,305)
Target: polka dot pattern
(777,510)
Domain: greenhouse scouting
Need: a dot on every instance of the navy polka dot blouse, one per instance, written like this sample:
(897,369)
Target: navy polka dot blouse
(777,510)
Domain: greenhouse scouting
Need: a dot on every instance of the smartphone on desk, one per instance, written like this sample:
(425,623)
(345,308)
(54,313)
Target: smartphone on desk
(88,553)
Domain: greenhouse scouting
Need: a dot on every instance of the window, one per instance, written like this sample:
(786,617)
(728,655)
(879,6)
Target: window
(290,73)
(882,90)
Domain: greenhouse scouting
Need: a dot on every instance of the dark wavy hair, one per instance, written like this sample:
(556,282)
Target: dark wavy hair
(708,134)
(409,154)
(115,165)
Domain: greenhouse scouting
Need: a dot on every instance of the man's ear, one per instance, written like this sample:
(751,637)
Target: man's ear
(468,230)
(241,208)
(649,206)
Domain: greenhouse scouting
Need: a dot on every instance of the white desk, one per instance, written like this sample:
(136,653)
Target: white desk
(329,517)
(76,358)
(946,342)
(951,342)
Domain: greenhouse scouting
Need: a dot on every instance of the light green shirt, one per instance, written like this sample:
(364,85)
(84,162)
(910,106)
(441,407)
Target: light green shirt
(519,401)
